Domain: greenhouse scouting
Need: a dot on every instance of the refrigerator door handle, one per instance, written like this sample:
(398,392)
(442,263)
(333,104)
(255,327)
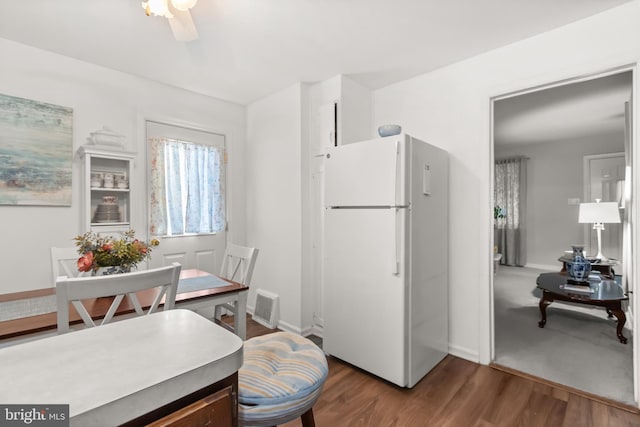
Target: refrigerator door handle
(396,244)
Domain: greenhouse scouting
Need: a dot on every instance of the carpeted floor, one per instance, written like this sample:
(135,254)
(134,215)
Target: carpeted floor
(578,346)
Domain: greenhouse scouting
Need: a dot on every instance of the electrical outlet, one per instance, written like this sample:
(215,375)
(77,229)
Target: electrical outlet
(574,201)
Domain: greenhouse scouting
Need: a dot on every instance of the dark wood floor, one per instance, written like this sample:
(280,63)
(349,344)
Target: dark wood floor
(456,393)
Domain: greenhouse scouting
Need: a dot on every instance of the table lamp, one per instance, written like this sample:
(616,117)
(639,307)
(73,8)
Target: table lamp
(599,213)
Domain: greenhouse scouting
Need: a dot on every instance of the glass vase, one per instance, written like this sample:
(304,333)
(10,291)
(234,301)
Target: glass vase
(112,269)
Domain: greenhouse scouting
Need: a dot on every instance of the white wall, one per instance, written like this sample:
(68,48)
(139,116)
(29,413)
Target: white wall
(100,96)
(555,174)
(353,124)
(450,108)
(273,174)
(354,112)
(292,128)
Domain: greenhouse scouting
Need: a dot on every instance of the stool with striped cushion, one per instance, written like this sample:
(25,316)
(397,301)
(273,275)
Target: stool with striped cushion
(280,380)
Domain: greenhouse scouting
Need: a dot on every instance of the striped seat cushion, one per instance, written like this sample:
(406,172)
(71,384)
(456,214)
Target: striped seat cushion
(279,413)
(280,368)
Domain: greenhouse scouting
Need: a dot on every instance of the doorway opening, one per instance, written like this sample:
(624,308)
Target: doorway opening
(554,131)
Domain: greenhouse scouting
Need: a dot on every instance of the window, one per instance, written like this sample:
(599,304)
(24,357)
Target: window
(187,187)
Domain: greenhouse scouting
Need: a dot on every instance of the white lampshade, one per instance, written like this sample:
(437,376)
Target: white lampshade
(602,212)
(183,4)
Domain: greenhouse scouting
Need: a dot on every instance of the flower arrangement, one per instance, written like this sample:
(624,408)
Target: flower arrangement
(98,251)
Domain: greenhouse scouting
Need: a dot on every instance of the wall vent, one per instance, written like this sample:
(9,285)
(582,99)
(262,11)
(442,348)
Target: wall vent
(266,310)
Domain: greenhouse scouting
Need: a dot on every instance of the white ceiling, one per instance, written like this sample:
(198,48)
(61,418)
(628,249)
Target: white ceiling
(250,48)
(592,107)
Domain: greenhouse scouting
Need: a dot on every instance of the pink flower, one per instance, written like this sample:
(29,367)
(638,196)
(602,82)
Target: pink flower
(139,246)
(85,262)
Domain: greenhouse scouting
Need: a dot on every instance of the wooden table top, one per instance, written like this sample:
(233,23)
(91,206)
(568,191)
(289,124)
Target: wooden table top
(98,307)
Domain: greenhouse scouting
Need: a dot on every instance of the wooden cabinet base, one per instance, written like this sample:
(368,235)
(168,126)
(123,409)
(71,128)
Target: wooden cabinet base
(214,410)
(215,405)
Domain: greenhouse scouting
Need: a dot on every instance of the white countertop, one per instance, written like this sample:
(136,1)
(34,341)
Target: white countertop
(117,372)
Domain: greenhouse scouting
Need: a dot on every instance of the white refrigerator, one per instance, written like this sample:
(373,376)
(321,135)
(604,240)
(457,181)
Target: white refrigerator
(385,257)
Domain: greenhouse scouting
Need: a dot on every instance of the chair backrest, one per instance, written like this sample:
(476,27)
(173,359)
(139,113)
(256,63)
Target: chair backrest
(238,263)
(64,262)
(76,289)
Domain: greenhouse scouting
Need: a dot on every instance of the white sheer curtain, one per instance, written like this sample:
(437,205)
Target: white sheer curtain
(187,194)
(510,195)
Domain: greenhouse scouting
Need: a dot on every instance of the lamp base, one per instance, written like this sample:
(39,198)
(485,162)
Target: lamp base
(599,227)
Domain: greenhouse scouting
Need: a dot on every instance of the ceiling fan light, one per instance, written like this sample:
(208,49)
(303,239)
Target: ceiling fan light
(157,7)
(183,4)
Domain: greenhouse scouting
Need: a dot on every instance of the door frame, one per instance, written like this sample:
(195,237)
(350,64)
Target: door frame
(143,121)
(634,217)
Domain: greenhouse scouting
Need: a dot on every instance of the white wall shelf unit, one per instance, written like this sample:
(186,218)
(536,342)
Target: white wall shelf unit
(106,196)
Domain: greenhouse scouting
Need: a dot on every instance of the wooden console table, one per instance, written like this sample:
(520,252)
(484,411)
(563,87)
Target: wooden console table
(606,293)
(190,299)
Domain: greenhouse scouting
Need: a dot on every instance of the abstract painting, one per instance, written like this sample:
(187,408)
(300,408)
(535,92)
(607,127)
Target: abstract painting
(36,152)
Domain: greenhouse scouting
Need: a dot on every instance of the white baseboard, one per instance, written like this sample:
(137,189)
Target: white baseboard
(286,326)
(464,353)
(317,330)
(307,331)
(556,267)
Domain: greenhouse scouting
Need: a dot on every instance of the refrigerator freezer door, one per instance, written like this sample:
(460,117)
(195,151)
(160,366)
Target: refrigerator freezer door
(364,299)
(368,173)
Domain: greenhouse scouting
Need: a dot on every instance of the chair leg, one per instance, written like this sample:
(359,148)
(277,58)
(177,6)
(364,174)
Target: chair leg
(307,419)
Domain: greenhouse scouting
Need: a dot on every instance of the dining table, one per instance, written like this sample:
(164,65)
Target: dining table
(31,312)
(109,376)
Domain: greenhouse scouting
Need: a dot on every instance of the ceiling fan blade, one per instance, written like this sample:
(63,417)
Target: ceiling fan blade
(182,26)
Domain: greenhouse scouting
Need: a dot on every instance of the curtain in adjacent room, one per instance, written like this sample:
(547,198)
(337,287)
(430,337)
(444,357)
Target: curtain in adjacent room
(510,195)
(187,194)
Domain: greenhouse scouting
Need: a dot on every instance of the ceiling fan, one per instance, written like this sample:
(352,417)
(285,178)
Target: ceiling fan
(179,18)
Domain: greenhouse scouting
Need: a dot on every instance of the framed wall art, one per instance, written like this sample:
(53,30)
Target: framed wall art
(36,152)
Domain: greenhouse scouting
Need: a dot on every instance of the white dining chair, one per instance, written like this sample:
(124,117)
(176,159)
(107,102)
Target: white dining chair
(237,266)
(64,262)
(77,289)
